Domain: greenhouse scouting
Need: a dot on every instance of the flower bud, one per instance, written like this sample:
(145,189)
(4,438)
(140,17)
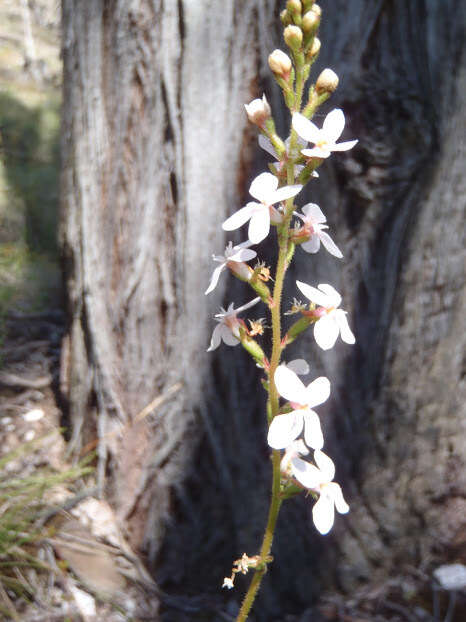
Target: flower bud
(258,111)
(315,48)
(293,36)
(280,63)
(285,17)
(310,22)
(294,7)
(327,82)
(317,10)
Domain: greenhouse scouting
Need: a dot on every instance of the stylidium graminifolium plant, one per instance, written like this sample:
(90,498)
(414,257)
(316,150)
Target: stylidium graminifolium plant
(293,425)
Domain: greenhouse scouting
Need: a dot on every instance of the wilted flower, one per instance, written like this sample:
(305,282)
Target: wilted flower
(324,139)
(333,320)
(234,257)
(229,325)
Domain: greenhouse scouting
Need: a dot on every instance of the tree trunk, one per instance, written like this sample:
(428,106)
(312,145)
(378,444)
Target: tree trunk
(156,152)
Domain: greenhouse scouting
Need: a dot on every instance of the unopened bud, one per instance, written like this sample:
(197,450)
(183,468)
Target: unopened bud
(280,63)
(294,7)
(293,36)
(258,111)
(315,48)
(317,10)
(285,17)
(310,22)
(327,82)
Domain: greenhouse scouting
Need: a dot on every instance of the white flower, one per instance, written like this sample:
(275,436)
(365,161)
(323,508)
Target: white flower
(266,145)
(284,429)
(333,320)
(324,139)
(313,220)
(237,254)
(319,479)
(265,189)
(228,328)
(228,583)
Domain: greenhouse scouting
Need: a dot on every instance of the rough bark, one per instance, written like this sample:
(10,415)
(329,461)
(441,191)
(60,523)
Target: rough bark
(155,153)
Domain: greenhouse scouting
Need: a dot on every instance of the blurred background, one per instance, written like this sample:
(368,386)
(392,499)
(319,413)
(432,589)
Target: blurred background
(124,146)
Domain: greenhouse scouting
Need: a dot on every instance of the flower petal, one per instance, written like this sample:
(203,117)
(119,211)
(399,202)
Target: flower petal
(326,465)
(334,125)
(289,385)
(323,514)
(330,245)
(345,331)
(216,338)
(333,296)
(307,474)
(259,225)
(248,305)
(214,279)
(313,213)
(313,294)
(312,431)
(305,129)
(326,332)
(312,245)
(316,152)
(240,217)
(286,192)
(299,366)
(266,145)
(336,493)
(243,254)
(317,391)
(228,336)
(345,146)
(284,429)
(263,185)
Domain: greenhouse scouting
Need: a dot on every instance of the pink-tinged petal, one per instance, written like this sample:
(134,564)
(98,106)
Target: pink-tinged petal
(326,465)
(317,391)
(316,152)
(312,245)
(330,245)
(313,294)
(287,192)
(259,225)
(240,217)
(345,331)
(334,125)
(346,146)
(263,186)
(326,332)
(334,491)
(306,129)
(289,385)
(299,366)
(305,473)
(312,430)
(284,429)
(323,514)
(227,336)
(214,279)
(313,213)
(216,338)
(332,294)
(266,145)
(243,254)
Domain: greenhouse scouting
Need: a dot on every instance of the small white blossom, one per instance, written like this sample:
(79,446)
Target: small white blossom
(319,479)
(313,220)
(228,327)
(265,189)
(266,145)
(284,429)
(228,583)
(325,140)
(237,254)
(333,321)
(258,111)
